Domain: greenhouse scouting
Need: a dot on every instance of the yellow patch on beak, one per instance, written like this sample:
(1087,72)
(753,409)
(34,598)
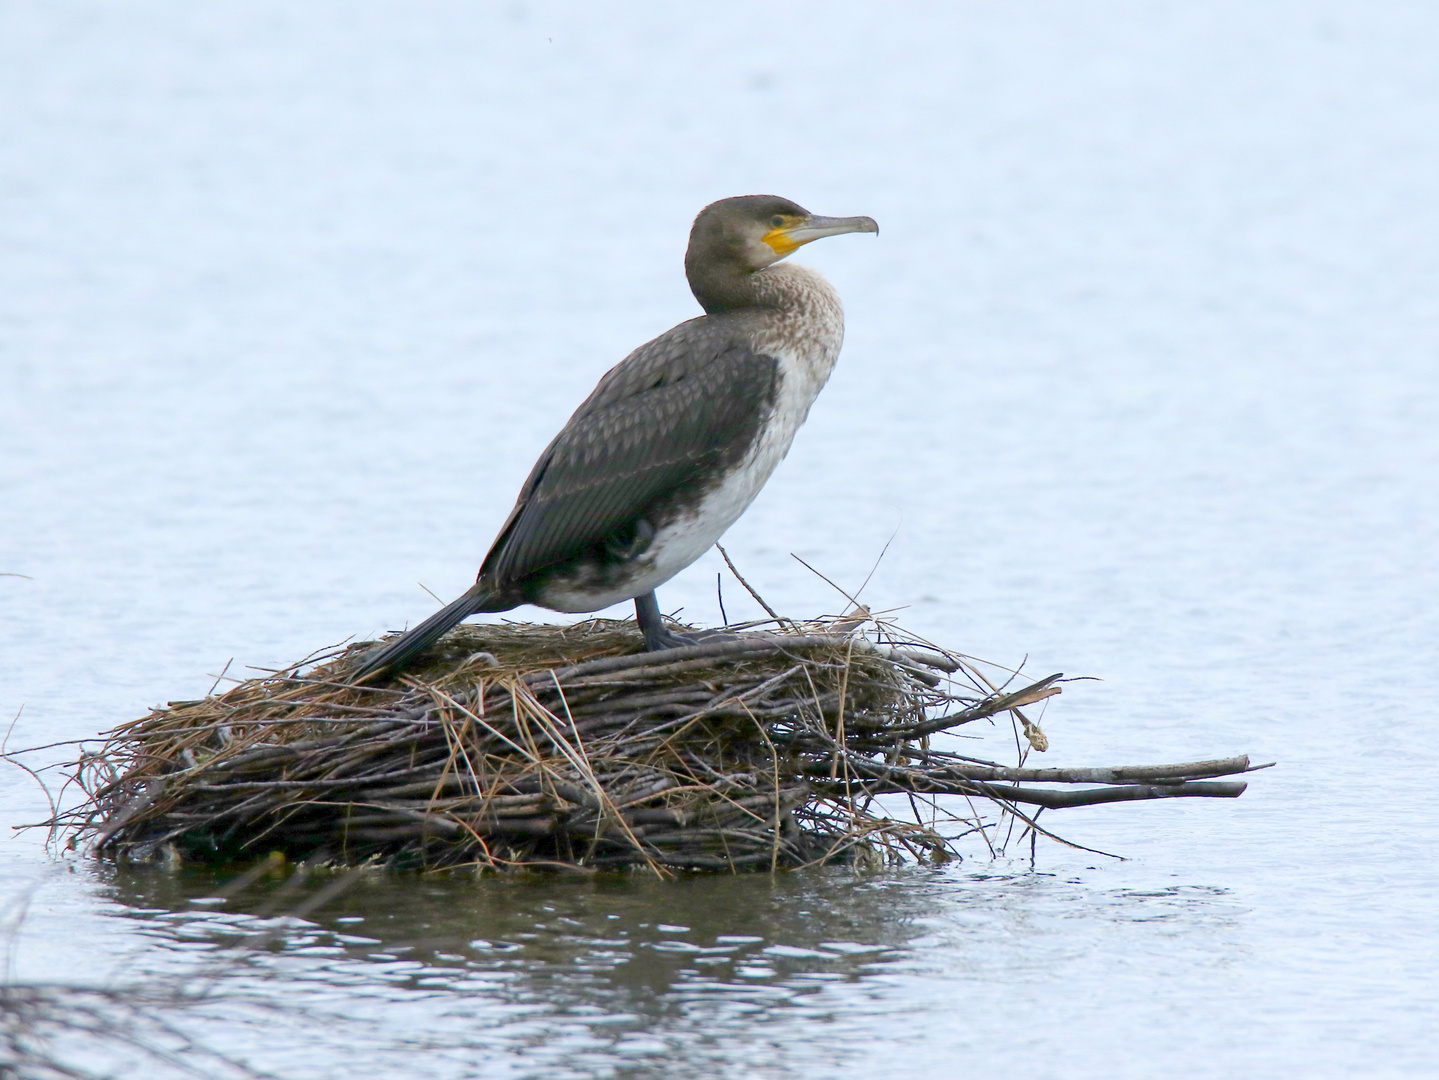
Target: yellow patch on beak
(779,239)
(798,231)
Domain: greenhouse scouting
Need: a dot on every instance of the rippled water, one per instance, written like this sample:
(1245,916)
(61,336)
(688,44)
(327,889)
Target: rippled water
(1140,379)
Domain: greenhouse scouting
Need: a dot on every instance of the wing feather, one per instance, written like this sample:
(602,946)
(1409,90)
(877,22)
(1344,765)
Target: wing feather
(688,402)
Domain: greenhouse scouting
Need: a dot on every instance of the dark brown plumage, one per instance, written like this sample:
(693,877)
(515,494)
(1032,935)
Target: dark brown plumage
(679,408)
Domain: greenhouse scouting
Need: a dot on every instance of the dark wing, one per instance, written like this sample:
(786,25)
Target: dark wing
(689,401)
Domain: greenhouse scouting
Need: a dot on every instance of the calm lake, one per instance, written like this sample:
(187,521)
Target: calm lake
(1141,383)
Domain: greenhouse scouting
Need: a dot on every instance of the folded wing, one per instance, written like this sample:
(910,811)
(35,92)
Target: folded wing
(659,426)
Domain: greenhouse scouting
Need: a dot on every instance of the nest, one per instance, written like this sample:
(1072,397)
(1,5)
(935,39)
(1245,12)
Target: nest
(517,745)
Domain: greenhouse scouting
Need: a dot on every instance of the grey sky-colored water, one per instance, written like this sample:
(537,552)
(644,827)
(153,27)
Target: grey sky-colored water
(1140,379)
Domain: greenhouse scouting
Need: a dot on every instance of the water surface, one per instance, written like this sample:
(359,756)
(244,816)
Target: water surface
(1140,381)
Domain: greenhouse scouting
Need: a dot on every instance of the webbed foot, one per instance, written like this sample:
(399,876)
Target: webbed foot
(659,637)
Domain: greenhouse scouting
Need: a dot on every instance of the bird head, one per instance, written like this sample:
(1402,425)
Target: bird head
(733,238)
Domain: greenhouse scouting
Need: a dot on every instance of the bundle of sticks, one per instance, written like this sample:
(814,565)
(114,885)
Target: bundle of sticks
(564,746)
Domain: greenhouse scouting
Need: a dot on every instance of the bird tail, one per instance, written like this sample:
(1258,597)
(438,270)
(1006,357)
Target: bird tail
(396,654)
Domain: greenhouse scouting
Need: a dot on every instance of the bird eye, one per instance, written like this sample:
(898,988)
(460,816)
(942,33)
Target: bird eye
(777,220)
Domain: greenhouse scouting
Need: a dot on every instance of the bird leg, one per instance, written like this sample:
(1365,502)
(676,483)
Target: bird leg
(657,636)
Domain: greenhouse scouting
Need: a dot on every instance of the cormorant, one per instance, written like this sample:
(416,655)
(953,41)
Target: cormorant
(676,440)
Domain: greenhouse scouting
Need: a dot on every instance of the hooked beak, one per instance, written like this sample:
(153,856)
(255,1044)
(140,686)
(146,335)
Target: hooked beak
(789,238)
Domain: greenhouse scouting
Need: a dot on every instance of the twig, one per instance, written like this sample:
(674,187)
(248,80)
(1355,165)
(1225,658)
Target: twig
(758,599)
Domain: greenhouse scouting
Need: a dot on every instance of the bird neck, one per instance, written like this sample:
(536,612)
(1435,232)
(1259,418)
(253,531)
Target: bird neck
(801,318)
(723,287)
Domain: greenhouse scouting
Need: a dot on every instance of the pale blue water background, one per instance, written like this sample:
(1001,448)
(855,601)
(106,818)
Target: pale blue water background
(1142,375)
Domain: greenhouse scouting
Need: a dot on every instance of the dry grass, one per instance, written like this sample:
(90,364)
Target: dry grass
(516,745)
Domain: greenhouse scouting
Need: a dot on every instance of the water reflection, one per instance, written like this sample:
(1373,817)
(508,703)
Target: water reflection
(562,976)
(806,973)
